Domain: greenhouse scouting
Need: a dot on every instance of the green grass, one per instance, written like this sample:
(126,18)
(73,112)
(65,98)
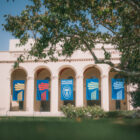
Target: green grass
(27,128)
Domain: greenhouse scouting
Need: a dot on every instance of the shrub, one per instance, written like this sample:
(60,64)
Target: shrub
(72,112)
(69,111)
(136,114)
(113,114)
(120,114)
(96,112)
(83,112)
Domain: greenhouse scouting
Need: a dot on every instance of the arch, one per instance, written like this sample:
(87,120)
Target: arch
(66,66)
(20,67)
(66,72)
(42,67)
(18,74)
(114,104)
(92,65)
(91,72)
(42,73)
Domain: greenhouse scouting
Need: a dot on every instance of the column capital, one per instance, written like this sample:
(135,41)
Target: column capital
(105,75)
(30,78)
(79,77)
(104,69)
(54,77)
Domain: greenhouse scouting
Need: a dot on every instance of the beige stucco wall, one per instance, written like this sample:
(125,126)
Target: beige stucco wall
(79,66)
(4,87)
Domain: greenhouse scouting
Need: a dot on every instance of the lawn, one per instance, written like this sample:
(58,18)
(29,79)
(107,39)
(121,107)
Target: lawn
(26,128)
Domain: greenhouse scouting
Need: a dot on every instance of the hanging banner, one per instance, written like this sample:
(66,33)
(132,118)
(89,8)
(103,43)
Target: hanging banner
(18,90)
(42,90)
(117,89)
(92,89)
(67,89)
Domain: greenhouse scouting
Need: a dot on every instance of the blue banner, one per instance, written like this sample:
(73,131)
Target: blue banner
(92,89)
(42,90)
(117,89)
(18,90)
(67,89)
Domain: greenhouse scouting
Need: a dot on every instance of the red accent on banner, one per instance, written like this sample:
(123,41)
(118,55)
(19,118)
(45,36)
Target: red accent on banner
(43,86)
(43,96)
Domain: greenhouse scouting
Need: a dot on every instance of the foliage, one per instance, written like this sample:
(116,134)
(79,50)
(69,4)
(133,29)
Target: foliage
(120,114)
(78,25)
(83,112)
(135,95)
(136,114)
(93,112)
(96,111)
(72,112)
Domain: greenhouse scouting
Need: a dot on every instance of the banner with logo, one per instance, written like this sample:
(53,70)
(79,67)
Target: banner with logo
(92,89)
(18,90)
(67,89)
(117,89)
(42,90)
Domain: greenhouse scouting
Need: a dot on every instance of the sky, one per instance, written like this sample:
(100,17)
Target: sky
(12,8)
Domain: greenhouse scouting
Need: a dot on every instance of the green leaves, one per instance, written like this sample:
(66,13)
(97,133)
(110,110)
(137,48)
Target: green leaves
(106,54)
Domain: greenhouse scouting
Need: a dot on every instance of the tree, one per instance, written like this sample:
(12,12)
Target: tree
(77,25)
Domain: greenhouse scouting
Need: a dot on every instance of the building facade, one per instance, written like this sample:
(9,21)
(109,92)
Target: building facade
(79,67)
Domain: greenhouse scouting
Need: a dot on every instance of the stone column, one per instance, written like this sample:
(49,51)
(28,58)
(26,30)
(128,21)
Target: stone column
(30,94)
(54,94)
(105,87)
(79,90)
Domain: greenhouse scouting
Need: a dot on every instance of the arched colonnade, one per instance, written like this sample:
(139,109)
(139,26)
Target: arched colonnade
(79,75)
